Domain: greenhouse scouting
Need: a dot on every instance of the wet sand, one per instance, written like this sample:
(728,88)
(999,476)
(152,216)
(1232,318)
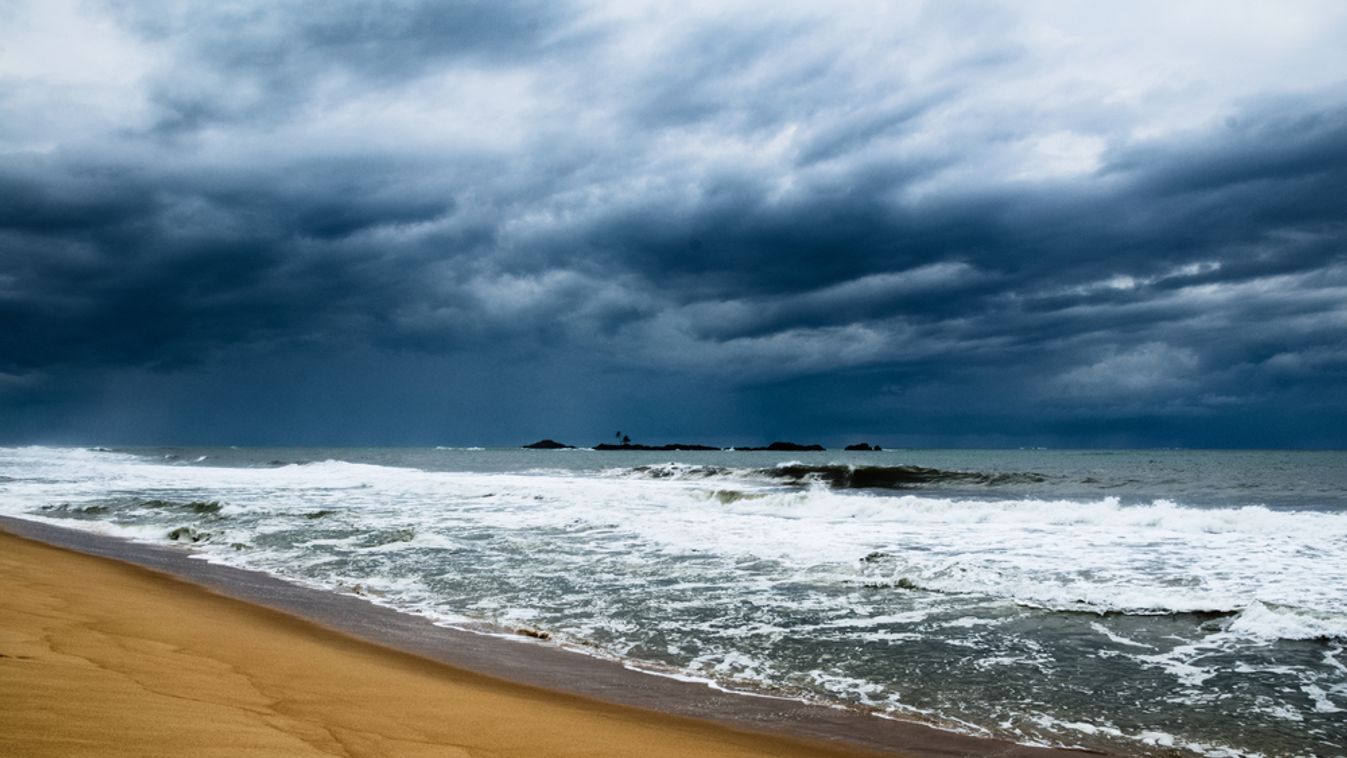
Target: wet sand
(103,657)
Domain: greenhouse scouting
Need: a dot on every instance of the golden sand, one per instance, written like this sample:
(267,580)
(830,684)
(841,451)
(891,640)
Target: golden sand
(101,658)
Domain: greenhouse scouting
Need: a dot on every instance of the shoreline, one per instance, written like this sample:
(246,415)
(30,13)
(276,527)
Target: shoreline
(547,671)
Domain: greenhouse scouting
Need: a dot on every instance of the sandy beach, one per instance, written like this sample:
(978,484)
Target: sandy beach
(103,658)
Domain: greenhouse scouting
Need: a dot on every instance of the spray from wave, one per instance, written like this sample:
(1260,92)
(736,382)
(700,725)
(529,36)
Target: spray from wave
(834,475)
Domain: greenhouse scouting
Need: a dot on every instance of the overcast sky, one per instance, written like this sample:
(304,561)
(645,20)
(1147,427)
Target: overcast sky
(945,223)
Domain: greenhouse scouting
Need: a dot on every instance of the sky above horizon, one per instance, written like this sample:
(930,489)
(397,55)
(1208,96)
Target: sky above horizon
(918,224)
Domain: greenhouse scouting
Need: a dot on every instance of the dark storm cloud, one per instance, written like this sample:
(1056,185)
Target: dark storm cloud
(118,265)
(759,203)
(1227,212)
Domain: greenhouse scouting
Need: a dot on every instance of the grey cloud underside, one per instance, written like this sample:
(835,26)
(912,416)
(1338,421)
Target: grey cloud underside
(186,260)
(282,53)
(1194,271)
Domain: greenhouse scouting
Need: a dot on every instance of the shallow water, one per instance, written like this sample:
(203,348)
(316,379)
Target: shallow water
(1149,600)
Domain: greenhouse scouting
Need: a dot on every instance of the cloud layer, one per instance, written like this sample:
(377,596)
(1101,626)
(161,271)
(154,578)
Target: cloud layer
(947,223)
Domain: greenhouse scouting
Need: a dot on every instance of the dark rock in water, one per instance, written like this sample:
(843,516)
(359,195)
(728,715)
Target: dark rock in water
(188,534)
(792,447)
(786,447)
(843,476)
(548,445)
(866,446)
(653,448)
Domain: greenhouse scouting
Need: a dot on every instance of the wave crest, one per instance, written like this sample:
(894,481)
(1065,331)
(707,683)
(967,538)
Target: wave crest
(844,476)
(833,475)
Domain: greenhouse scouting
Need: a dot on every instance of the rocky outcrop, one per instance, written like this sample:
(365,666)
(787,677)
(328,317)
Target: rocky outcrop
(548,445)
(775,447)
(653,448)
(866,446)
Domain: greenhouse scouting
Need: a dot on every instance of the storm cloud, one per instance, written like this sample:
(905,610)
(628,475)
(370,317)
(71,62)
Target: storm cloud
(416,222)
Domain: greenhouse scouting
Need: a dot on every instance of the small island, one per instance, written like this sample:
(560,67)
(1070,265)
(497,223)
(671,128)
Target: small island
(652,448)
(548,444)
(784,447)
(627,445)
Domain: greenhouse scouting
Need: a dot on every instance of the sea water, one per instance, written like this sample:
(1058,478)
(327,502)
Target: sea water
(1152,602)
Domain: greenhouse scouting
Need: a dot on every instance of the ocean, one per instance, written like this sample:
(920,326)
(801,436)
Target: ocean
(1153,602)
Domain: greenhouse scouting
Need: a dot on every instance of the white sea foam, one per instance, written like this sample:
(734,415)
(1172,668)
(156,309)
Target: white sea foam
(1322,703)
(1098,556)
(1119,638)
(1260,620)
(968,622)
(896,618)
(1153,738)
(734,562)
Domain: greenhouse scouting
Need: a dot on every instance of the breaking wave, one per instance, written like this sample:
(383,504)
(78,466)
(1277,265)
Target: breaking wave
(843,476)
(737,573)
(840,476)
